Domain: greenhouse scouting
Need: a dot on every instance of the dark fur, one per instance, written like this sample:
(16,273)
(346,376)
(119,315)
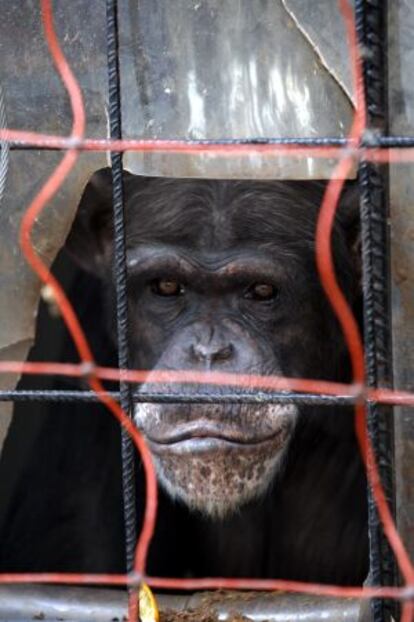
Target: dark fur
(311,522)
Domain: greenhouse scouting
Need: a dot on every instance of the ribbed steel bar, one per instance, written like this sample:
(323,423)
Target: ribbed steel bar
(128,453)
(193,398)
(4,146)
(373,140)
(371,19)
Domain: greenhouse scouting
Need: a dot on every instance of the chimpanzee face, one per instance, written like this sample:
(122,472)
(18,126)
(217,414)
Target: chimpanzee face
(222,277)
(206,311)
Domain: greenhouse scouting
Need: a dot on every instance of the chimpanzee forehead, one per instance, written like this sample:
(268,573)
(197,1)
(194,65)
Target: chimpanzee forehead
(221,214)
(149,261)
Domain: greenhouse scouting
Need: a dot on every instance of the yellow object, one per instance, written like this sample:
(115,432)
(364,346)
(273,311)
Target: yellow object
(148,610)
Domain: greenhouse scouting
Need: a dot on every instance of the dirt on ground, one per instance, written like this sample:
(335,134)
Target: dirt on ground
(209,604)
(201,614)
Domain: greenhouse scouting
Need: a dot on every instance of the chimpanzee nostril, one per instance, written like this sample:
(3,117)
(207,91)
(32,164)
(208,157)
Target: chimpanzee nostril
(212,353)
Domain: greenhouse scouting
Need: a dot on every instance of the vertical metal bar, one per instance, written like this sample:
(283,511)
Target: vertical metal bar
(371,16)
(4,146)
(128,471)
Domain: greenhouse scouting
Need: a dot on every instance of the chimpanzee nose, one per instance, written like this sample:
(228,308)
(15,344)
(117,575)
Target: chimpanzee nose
(212,352)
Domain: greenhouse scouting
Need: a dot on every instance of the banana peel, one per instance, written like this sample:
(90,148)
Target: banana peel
(148,609)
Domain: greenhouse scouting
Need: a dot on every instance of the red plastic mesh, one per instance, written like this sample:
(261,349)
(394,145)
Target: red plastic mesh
(346,158)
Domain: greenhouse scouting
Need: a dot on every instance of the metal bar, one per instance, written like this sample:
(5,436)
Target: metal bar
(372,33)
(193,398)
(4,147)
(127,448)
(18,603)
(372,140)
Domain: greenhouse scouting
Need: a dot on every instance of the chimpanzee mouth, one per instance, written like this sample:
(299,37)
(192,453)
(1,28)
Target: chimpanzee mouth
(206,434)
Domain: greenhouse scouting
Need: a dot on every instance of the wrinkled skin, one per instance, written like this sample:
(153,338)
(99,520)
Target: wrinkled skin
(222,277)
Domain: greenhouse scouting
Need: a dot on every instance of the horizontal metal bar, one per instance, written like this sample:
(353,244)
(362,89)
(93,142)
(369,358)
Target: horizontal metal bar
(53,396)
(328,141)
(370,140)
(20,603)
(390,141)
(259,397)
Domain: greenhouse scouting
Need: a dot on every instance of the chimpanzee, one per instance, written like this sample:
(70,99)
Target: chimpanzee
(221,277)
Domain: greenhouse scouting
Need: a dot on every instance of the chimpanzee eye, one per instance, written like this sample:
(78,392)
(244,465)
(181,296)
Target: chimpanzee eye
(167,287)
(262,292)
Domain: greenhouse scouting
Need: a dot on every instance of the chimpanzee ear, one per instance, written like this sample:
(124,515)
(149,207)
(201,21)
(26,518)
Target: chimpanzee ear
(90,240)
(349,219)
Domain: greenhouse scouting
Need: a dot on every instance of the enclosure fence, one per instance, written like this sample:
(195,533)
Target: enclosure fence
(362,146)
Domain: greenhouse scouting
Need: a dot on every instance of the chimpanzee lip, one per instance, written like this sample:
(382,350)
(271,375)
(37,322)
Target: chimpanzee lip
(196,430)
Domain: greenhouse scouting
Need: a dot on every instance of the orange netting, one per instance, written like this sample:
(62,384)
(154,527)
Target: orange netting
(346,157)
